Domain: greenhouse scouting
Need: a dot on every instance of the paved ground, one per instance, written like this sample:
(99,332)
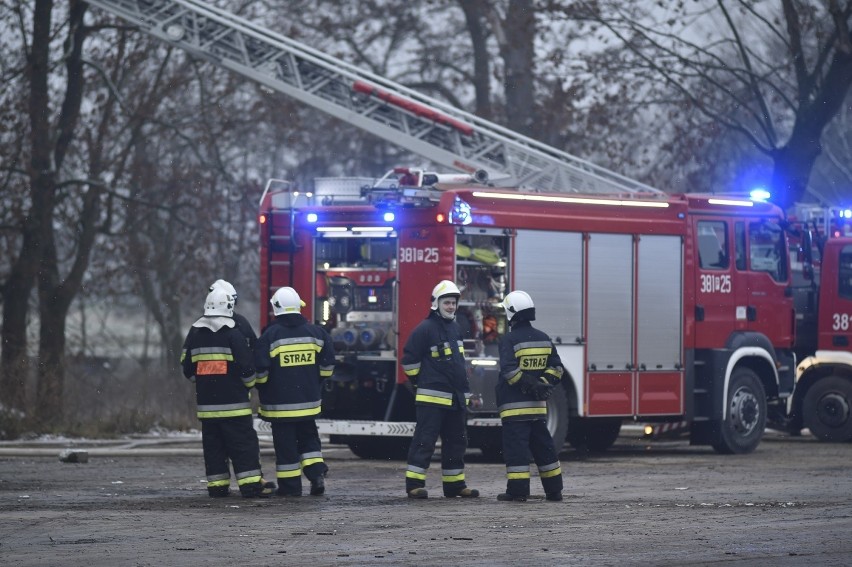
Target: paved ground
(789,503)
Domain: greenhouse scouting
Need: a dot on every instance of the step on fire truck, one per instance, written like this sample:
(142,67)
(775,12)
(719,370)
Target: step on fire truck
(661,307)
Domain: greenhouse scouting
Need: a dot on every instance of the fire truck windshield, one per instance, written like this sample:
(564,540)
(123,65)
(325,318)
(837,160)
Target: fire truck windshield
(355,279)
(767,250)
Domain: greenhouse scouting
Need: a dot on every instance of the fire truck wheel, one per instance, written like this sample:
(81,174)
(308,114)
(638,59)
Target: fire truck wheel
(384,448)
(557,417)
(593,434)
(826,409)
(745,418)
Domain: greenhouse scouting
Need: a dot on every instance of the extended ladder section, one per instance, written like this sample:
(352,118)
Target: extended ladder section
(428,127)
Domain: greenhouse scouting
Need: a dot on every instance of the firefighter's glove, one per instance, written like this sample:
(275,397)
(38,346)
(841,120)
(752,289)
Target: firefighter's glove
(542,391)
(538,388)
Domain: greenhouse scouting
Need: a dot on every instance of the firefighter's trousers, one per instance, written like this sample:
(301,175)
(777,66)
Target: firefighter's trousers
(297,450)
(433,421)
(234,439)
(520,439)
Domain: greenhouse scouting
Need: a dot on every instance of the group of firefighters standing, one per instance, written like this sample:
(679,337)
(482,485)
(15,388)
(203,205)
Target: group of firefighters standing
(288,362)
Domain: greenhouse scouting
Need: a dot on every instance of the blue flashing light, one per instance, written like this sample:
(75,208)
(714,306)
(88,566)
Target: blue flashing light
(846,213)
(759,194)
(312,217)
(460,213)
(389,216)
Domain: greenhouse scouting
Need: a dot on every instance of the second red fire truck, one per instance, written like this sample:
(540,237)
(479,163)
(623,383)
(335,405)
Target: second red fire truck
(662,307)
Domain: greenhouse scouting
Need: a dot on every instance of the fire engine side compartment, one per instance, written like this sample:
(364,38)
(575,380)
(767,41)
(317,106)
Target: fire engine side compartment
(608,285)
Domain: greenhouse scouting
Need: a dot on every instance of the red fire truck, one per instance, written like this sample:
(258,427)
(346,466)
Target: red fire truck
(662,308)
(822,285)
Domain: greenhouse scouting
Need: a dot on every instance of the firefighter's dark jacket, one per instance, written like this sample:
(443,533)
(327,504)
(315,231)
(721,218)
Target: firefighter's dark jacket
(216,357)
(246,329)
(292,357)
(525,350)
(433,360)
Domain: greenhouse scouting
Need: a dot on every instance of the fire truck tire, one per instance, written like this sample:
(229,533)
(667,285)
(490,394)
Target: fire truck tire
(826,409)
(593,434)
(379,448)
(557,417)
(745,418)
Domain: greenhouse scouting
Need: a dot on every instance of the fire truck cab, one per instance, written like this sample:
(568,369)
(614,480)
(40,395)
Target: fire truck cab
(823,295)
(662,308)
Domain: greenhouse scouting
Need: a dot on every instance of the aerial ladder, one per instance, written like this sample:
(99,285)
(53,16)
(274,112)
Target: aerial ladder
(425,126)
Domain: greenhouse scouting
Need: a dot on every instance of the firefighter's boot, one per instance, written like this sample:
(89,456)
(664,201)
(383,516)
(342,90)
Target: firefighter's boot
(418,493)
(256,490)
(463,493)
(554,496)
(218,491)
(318,486)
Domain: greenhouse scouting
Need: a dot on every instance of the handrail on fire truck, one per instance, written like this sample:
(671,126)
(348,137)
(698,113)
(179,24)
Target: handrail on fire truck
(435,130)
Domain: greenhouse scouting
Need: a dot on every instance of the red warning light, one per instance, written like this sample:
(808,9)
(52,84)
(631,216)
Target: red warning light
(262,219)
(440,217)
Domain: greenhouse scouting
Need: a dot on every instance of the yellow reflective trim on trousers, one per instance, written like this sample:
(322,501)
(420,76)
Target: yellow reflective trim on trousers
(326,373)
(518,475)
(309,462)
(433,400)
(215,483)
(248,480)
(227,413)
(523,411)
(453,478)
(418,476)
(290,413)
(547,474)
(288,474)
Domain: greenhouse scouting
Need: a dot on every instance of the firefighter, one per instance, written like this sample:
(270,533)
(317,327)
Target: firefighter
(217,359)
(292,358)
(243,326)
(529,369)
(242,323)
(433,360)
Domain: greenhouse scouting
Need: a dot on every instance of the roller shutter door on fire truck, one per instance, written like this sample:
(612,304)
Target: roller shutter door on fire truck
(549,266)
(634,314)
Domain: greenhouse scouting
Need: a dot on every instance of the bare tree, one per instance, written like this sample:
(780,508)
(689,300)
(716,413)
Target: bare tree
(46,150)
(775,75)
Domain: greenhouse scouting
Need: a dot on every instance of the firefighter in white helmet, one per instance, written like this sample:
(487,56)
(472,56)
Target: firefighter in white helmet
(293,356)
(217,359)
(433,360)
(529,369)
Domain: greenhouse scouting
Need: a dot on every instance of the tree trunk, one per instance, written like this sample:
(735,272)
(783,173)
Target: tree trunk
(474,15)
(792,169)
(51,366)
(519,60)
(42,174)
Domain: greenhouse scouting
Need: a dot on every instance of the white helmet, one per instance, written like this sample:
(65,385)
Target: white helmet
(218,303)
(226,287)
(517,301)
(285,301)
(444,287)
